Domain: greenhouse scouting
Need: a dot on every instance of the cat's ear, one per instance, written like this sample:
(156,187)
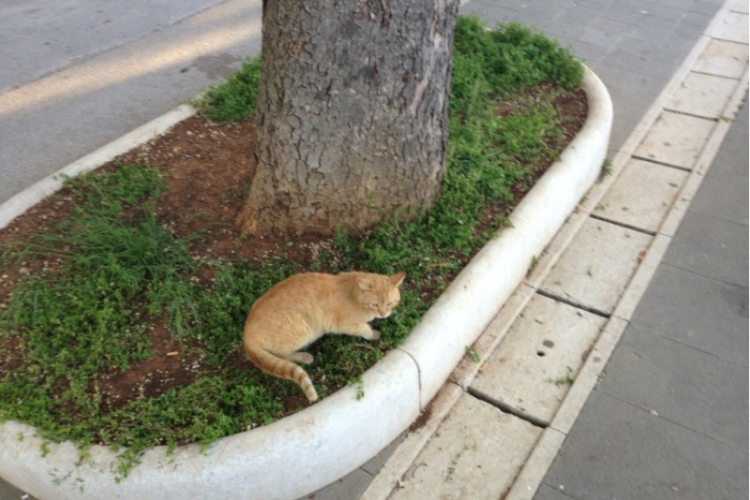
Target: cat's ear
(398,278)
(363,286)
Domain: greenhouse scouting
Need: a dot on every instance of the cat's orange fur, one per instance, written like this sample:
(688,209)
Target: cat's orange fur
(299,310)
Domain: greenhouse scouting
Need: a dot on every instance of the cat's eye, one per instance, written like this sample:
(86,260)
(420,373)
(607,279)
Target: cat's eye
(374,305)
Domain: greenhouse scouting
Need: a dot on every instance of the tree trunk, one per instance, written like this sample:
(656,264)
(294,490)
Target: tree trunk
(352,112)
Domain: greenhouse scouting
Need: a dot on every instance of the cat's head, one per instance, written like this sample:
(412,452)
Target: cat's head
(380,293)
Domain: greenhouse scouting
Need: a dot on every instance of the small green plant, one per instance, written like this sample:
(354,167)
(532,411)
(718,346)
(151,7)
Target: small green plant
(456,458)
(357,382)
(606,169)
(452,466)
(534,264)
(473,354)
(590,271)
(566,379)
(236,97)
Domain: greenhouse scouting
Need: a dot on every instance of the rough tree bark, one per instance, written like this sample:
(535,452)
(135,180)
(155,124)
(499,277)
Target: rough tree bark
(352,112)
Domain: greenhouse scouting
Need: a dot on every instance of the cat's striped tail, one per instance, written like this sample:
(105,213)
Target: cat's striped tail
(282,368)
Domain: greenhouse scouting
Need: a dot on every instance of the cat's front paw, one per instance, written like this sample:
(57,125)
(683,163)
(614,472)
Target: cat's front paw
(375,335)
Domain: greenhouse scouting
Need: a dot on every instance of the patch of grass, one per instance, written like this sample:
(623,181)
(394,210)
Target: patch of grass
(117,269)
(357,382)
(235,98)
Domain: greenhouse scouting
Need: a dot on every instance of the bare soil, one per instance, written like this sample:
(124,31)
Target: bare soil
(208,168)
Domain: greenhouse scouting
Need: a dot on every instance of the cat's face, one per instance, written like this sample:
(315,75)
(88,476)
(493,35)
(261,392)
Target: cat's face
(380,294)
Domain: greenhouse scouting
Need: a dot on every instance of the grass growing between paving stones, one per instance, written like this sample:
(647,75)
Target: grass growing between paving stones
(99,281)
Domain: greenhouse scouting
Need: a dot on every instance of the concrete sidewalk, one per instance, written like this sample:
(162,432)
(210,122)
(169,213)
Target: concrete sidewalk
(670,417)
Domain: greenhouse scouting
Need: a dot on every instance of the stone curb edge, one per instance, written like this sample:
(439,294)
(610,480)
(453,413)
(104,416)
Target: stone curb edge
(396,389)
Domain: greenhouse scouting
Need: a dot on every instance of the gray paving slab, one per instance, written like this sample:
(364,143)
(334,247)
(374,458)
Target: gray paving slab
(697,311)
(703,95)
(475,454)
(724,192)
(490,13)
(733,154)
(548,493)
(348,487)
(728,419)
(724,196)
(617,450)
(669,419)
(9,492)
(722,58)
(629,106)
(595,268)
(642,195)
(649,371)
(532,368)
(354,484)
(376,462)
(712,247)
(676,139)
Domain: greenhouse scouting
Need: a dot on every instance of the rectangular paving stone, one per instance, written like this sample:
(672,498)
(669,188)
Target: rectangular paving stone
(350,486)
(606,33)
(376,463)
(642,195)
(737,6)
(638,64)
(731,26)
(597,266)
(679,383)
(629,106)
(10,492)
(617,450)
(676,139)
(713,247)
(489,13)
(702,95)
(548,493)
(706,314)
(532,368)
(722,58)
(476,453)
(720,195)
(728,419)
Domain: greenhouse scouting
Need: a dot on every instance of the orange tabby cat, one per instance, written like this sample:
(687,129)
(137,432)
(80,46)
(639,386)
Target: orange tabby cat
(299,310)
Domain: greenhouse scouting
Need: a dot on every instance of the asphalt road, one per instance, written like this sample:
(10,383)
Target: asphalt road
(77,74)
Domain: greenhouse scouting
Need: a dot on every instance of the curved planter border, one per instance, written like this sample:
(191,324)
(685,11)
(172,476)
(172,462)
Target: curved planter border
(335,436)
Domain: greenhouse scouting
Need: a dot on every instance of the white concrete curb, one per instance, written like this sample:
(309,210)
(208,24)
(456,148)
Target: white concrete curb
(306,451)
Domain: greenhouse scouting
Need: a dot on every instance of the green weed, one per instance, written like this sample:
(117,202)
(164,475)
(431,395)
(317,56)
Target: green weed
(566,379)
(236,97)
